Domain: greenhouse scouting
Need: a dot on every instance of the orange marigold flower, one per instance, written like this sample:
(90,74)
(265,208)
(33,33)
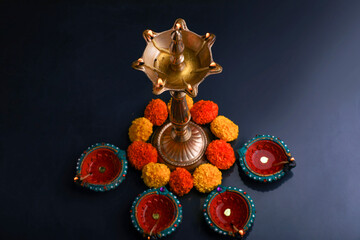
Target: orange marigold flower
(204,112)
(206,177)
(189,102)
(181,181)
(221,154)
(140,129)
(155,175)
(156,111)
(224,129)
(141,153)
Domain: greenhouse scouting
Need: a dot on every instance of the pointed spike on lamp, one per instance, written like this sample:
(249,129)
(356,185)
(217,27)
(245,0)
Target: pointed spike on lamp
(160,82)
(189,87)
(149,35)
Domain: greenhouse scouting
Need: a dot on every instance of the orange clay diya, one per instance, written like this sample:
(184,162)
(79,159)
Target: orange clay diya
(229,211)
(265,158)
(156,213)
(101,167)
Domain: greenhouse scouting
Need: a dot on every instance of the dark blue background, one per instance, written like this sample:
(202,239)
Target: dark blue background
(291,69)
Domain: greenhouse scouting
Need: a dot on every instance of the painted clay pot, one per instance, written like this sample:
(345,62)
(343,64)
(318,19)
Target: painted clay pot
(101,167)
(156,213)
(265,158)
(229,211)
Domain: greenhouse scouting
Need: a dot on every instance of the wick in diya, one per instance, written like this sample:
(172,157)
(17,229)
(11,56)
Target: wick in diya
(227,213)
(265,160)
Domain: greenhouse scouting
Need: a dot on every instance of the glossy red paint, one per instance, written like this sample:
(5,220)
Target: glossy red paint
(269,149)
(155,204)
(239,211)
(101,158)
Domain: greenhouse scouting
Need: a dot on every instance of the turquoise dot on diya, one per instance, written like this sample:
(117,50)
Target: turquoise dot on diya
(156,213)
(101,167)
(265,158)
(229,211)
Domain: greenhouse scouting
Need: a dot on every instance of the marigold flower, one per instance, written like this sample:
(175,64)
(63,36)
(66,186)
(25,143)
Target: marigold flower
(224,129)
(141,153)
(204,112)
(181,181)
(206,177)
(156,111)
(155,175)
(221,154)
(189,102)
(140,129)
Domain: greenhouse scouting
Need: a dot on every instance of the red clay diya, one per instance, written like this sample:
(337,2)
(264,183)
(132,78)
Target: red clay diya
(265,158)
(156,213)
(229,211)
(101,167)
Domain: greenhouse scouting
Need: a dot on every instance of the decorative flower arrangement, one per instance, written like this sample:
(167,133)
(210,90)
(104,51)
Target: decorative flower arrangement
(141,153)
(143,156)
(221,154)
(155,175)
(224,129)
(156,111)
(181,181)
(207,177)
(140,129)
(204,112)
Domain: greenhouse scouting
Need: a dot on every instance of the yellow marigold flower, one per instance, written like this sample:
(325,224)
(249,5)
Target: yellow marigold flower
(140,130)
(207,177)
(155,175)
(224,129)
(189,101)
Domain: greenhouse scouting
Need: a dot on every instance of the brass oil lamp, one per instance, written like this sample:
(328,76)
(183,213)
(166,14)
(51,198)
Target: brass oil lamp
(178,60)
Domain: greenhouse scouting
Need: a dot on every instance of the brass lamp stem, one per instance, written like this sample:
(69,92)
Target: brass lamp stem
(180,117)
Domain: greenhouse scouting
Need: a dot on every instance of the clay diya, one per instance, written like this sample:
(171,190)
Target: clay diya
(229,211)
(156,213)
(101,167)
(265,158)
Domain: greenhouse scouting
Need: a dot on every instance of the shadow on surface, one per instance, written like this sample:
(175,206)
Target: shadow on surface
(260,186)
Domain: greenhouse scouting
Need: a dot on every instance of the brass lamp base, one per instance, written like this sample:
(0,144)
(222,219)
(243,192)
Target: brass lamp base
(187,154)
